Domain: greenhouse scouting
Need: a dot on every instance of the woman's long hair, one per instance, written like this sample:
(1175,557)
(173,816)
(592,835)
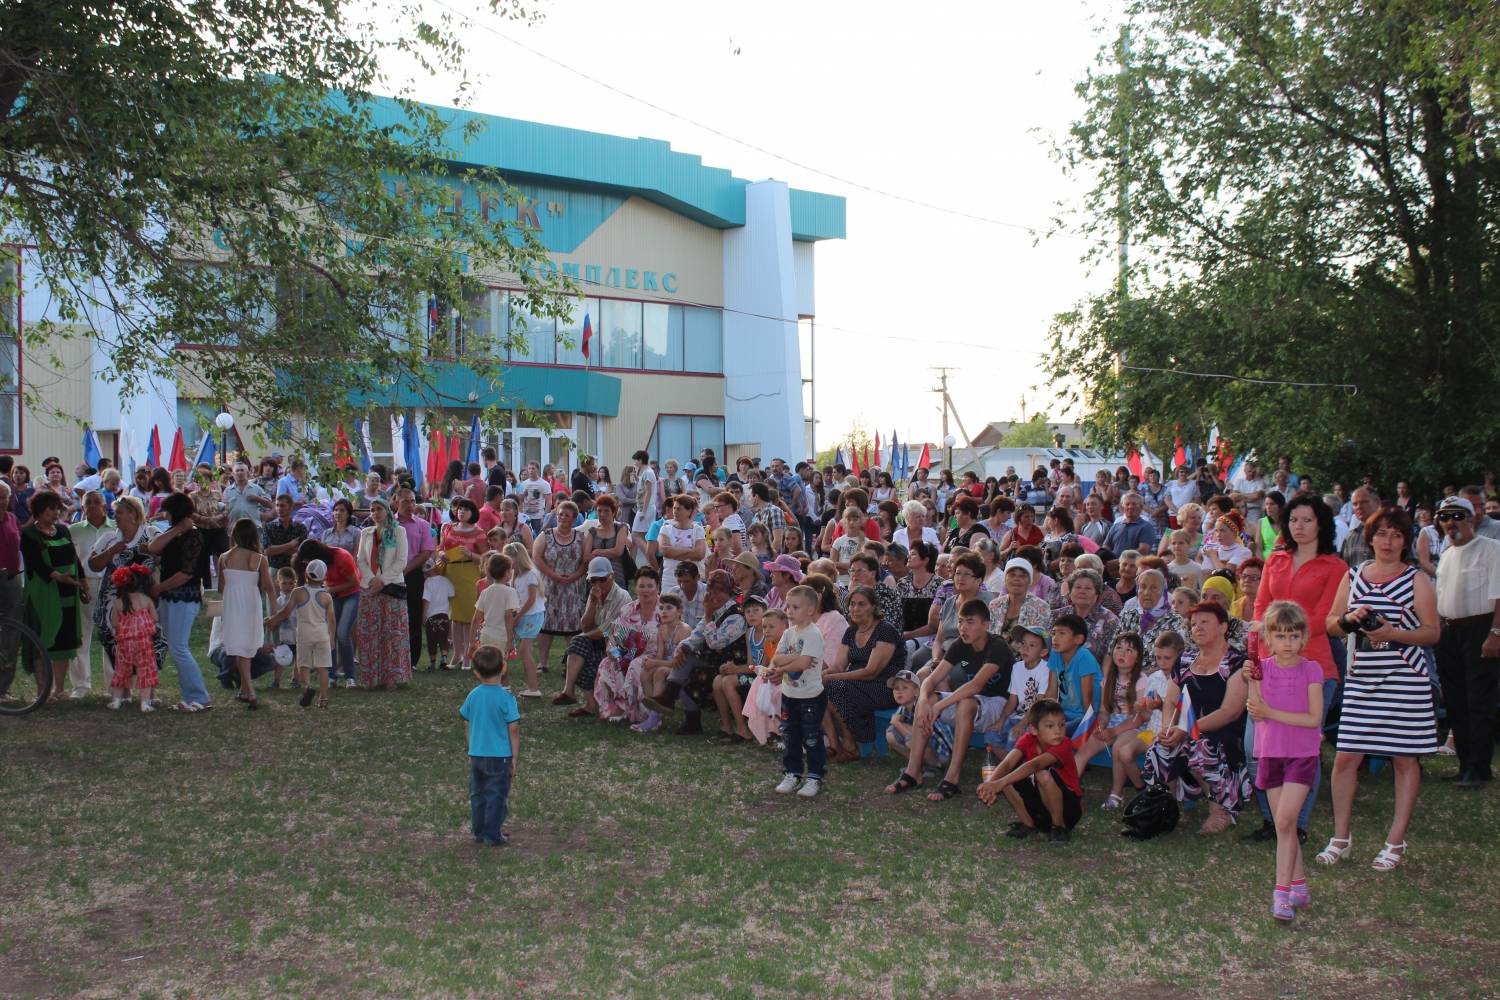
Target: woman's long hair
(1325,524)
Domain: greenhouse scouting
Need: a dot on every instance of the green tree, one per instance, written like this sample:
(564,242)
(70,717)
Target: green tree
(1314,206)
(1036,432)
(139,135)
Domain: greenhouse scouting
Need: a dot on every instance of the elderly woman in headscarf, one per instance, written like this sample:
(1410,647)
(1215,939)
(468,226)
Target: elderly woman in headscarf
(1150,613)
(382,632)
(1220,589)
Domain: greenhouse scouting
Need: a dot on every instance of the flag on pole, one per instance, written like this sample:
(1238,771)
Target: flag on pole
(895,461)
(906,461)
(854,458)
(877,451)
(588,335)
(367,446)
(474,435)
(208,450)
(411,445)
(838,456)
(153,449)
(924,461)
(178,459)
(90,448)
(1235,470)
(1133,462)
(865,458)
(1085,728)
(455,451)
(1187,718)
(434,465)
(1179,455)
(342,456)
(1148,460)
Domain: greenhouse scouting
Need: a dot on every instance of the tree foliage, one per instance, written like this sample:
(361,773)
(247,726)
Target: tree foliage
(1312,198)
(219,174)
(1036,432)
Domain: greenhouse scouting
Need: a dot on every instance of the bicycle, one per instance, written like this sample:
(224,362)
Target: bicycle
(25,688)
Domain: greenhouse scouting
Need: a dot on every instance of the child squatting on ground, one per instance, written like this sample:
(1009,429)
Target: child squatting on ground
(1286,701)
(492,725)
(1039,779)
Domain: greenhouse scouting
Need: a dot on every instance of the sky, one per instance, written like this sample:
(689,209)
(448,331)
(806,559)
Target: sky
(960,112)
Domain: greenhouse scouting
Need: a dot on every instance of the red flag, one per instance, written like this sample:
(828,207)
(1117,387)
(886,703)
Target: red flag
(153,449)
(178,461)
(1133,462)
(1179,456)
(924,462)
(1226,457)
(341,453)
(588,334)
(455,450)
(434,456)
(877,449)
(866,457)
(854,458)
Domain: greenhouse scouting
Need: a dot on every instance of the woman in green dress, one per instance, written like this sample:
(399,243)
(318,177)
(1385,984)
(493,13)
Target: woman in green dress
(54,593)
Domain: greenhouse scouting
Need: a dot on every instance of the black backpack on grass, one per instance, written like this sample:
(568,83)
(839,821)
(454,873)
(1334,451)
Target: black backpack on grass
(1152,812)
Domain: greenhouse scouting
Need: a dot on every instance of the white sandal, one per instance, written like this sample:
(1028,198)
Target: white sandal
(1333,853)
(1389,857)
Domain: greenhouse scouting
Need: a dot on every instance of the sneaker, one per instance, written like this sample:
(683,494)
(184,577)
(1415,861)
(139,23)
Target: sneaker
(1060,835)
(788,785)
(348,682)
(531,693)
(810,789)
(115,703)
(1281,906)
(147,706)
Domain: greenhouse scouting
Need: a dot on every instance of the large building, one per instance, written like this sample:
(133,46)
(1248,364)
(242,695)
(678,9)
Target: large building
(697,284)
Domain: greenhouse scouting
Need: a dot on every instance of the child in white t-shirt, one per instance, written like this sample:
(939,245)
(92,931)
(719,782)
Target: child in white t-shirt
(1031,679)
(527,583)
(437,594)
(849,544)
(496,608)
(798,666)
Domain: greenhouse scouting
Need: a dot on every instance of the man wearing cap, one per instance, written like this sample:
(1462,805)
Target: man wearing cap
(606,601)
(716,640)
(1133,531)
(1017,605)
(748,579)
(1468,652)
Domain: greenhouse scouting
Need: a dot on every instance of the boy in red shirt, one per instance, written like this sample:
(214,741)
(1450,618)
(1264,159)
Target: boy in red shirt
(1039,778)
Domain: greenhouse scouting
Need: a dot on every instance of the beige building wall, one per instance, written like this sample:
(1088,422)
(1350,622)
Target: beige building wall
(643,397)
(58,374)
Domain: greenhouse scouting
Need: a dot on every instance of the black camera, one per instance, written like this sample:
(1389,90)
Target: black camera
(1370,623)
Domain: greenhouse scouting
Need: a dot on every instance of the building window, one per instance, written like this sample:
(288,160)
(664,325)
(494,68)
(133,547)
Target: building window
(663,337)
(682,437)
(621,326)
(570,334)
(534,337)
(703,340)
(10,358)
(195,417)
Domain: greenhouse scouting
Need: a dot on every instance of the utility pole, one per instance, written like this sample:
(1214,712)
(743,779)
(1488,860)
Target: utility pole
(942,390)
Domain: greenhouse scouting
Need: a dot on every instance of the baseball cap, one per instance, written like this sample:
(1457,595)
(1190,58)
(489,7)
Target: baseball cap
(903,675)
(317,569)
(1456,502)
(1036,630)
(600,567)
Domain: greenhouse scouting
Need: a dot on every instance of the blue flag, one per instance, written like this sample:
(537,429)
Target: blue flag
(473,441)
(90,448)
(208,450)
(895,461)
(838,456)
(411,446)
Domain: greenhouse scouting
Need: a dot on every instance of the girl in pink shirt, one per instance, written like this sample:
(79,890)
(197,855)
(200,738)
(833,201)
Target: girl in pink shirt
(1286,701)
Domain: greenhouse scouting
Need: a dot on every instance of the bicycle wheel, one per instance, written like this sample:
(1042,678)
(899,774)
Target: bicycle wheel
(25,665)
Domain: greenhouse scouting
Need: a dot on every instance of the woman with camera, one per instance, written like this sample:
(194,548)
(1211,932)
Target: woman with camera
(1391,608)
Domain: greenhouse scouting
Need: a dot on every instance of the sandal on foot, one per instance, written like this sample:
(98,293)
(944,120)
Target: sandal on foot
(1112,802)
(945,790)
(1335,851)
(1020,831)
(903,783)
(564,699)
(1389,857)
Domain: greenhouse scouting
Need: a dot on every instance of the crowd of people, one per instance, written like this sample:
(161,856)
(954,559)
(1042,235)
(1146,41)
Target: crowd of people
(1160,630)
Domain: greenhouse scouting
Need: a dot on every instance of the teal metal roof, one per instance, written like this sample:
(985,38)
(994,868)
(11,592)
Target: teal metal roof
(649,168)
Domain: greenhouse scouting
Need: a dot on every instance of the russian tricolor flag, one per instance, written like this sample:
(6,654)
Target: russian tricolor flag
(1085,728)
(1187,717)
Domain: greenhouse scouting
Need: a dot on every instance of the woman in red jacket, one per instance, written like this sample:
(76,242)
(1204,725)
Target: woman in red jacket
(1305,568)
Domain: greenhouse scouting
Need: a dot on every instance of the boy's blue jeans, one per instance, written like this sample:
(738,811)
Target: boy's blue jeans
(489,794)
(802,729)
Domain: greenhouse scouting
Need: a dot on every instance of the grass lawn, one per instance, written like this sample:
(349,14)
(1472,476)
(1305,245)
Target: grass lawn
(326,853)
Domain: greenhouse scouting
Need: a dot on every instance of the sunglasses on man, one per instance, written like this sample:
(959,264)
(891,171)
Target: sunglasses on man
(1453,515)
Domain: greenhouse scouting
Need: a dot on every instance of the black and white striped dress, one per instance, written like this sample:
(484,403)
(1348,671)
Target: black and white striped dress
(1387,705)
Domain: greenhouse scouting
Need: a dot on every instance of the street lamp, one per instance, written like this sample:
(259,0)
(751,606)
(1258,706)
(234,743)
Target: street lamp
(949,442)
(224,422)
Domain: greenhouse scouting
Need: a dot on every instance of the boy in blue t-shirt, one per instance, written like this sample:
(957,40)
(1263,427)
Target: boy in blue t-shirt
(491,723)
(1079,679)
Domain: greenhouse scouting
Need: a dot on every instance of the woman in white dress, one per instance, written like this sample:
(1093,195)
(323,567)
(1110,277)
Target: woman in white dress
(245,578)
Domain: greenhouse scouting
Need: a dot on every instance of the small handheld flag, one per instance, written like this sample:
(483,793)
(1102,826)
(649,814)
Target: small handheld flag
(1187,717)
(1085,728)
(877,451)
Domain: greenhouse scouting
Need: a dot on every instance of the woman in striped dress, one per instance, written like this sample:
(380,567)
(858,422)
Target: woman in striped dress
(1387,706)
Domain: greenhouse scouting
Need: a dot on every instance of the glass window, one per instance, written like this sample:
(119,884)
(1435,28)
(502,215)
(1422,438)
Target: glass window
(474,332)
(703,335)
(570,334)
(672,439)
(663,337)
(621,326)
(193,416)
(708,432)
(533,337)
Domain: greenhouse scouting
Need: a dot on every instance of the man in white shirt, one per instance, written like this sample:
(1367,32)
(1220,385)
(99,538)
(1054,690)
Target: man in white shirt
(1468,653)
(536,497)
(1250,486)
(1182,489)
(1094,525)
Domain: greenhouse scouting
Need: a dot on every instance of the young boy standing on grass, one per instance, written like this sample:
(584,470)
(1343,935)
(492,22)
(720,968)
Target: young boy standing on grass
(492,726)
(1039,778)
(798,667)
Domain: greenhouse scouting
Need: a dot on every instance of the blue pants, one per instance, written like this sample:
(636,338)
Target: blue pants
(177,628)
(489,795)
(346,613)
(802,729)
(1329,688)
